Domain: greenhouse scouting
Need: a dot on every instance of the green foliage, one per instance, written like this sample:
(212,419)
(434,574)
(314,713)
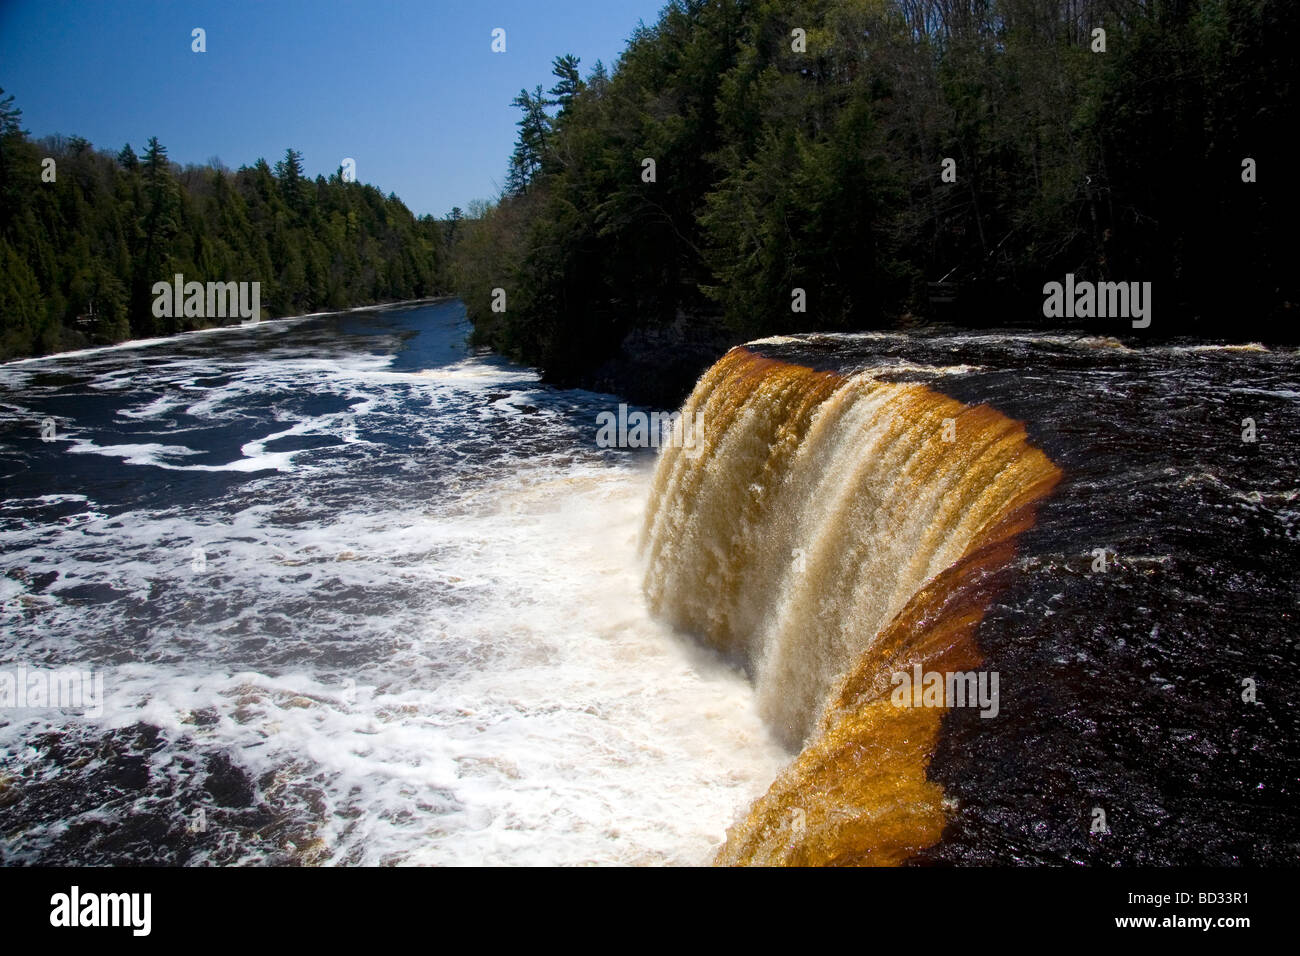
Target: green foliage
(80,255)
(530,149)
(778,169)
(568,80)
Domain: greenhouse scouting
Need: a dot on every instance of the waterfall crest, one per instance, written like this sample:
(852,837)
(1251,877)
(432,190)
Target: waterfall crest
(831,530)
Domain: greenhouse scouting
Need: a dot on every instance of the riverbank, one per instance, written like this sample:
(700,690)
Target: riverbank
(90,347)
(658,365)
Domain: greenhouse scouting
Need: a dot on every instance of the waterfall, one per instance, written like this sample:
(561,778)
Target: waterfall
(831,530)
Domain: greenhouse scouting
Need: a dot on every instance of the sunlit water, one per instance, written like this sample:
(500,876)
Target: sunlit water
(1161,686)
(357,596)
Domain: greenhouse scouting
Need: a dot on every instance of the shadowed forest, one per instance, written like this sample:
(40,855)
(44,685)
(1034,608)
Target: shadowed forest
(898,161)
(800,145)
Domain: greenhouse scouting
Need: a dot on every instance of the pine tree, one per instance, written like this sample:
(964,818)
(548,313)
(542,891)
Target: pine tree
(530,147)
(11,133)
(158,227)
(569,85)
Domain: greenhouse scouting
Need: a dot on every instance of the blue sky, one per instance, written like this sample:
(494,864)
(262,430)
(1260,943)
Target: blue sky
(408,88)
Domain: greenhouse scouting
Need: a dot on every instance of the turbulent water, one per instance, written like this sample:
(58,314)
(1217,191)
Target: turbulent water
(1143,629)
(356,596)
(824,506)
(359,596)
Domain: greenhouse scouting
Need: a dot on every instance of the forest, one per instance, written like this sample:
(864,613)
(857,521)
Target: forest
(85,233)
(756,167)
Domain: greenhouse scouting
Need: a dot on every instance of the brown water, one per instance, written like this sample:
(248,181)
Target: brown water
(831,538)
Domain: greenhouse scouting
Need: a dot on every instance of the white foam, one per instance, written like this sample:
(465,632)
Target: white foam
(152,453)
(463,677)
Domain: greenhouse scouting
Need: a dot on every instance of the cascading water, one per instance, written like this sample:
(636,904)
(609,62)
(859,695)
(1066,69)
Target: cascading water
(361,597)
(801,533)
(357,597)
(1141,618)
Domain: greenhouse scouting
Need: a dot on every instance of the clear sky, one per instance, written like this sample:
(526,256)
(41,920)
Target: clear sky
(410,89)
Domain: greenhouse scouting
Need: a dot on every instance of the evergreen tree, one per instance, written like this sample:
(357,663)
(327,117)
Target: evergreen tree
(79,256)
(530,147)
(569,82)
(819,168)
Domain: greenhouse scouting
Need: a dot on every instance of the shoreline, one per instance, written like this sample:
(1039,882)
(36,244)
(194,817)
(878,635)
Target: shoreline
(157,339)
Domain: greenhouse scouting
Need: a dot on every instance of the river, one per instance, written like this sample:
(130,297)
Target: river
(360,596)
(356,596)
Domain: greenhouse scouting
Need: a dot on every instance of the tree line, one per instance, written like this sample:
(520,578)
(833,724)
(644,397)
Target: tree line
(85,234)
(801,144)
